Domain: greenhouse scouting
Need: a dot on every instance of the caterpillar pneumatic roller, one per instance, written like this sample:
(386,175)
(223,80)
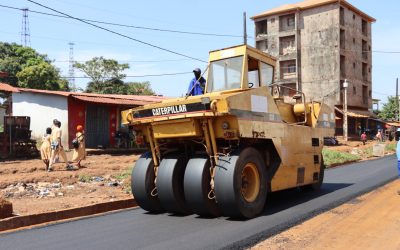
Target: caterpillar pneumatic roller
(221,153)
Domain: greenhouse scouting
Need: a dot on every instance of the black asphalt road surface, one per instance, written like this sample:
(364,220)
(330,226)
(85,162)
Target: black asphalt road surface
(135,229)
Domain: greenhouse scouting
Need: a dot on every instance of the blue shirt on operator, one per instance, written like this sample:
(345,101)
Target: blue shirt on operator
(198,86)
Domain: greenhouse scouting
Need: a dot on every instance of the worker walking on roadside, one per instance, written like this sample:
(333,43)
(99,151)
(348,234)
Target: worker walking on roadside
(197,84)
(53,127)
(363,137)
(379,136)
(56,146)
(397,135)
(79,146)
(45,148)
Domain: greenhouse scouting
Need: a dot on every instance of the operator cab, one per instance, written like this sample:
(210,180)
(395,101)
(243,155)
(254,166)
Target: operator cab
(238,68)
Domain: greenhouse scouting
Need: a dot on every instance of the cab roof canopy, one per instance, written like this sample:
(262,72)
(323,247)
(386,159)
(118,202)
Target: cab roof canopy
(241,50)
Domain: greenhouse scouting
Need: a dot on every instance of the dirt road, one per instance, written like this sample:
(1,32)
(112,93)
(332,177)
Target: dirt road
(371,221)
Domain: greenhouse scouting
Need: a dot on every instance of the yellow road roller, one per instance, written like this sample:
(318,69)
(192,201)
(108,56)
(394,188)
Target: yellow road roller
(221,153)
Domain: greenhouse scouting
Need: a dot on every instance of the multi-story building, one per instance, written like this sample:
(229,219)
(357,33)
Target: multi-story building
(319,44)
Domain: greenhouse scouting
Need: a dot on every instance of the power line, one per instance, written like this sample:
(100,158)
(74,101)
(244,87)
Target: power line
(130,26)
(117,33)
(132,76)
(134,61)
(107,44)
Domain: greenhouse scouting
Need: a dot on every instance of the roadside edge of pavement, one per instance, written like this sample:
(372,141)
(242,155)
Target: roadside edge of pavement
(25,221)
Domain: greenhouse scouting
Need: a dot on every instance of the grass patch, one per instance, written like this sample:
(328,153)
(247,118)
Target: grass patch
(332,157)
(84,178)
(391,147)
(124,175)
(367,153)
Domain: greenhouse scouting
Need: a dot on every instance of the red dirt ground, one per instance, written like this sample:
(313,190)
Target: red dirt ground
(32,190)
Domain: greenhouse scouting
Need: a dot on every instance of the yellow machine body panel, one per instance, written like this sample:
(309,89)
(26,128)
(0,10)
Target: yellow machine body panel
(176,129)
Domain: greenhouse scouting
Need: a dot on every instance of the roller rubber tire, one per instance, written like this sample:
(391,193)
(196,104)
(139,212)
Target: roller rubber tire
(197,187)
(228,183)
(142,183)
(170,184)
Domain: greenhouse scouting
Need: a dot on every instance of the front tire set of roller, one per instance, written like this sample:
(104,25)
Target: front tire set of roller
(184,187)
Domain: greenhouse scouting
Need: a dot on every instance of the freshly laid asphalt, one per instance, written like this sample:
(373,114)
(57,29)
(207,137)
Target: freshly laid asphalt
(135,229)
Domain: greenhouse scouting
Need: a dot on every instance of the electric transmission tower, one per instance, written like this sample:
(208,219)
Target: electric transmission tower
(25,34)
(71,73)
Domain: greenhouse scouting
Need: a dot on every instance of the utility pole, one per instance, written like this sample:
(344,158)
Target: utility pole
(244,29)
(397,101)
(345,128)
(25,34)
(71,73)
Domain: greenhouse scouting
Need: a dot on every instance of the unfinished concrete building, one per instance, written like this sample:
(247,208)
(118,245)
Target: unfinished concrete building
(319,44)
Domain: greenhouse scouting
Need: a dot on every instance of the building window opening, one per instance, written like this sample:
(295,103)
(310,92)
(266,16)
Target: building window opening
(287,45)
(342,66)
(341,16)
(261,27)
(287,22)
(288,69)
(364,50)
(342,39)
(364,95)
(364,27)
(364,71)
(262,45)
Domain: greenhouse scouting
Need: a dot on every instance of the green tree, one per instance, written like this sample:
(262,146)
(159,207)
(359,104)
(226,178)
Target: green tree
(388,111)
(113,86)
(107,78)
(27,68)
(41,76)
(102,70)
(139,88)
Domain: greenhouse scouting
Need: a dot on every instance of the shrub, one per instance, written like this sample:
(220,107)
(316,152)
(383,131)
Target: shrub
(332,158)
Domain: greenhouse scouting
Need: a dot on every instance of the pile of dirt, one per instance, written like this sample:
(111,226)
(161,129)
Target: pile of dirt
(6,208)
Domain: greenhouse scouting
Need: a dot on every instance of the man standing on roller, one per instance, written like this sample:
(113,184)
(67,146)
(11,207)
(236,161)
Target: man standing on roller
(197,84)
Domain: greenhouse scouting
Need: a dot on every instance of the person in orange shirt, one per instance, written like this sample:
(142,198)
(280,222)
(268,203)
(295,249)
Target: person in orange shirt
(79,146)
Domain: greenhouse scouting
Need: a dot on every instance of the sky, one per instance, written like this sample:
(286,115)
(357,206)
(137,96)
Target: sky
(50,35)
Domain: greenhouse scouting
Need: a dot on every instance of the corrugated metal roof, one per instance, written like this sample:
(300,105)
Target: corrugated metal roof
(109,100)
(43,91)
(91,97)
(7,88)
(357,113)
(395,124)
(308,4)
